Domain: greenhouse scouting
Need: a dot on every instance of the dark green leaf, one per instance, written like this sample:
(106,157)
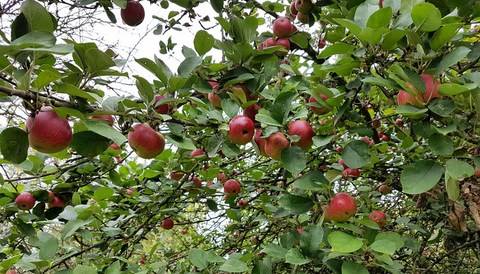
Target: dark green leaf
(106,131)
(337,48)
(356,154)
(441,145)
(145,89)
(282,105)
(14,144)
(349,267)
(420,176)
(294,256)
(198,258)
(458,169)
(442,107)
(313,180)
(234,266)
(296,204)
(89,144)
(294,159)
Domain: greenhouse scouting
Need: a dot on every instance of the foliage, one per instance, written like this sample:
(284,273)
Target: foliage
(116,202)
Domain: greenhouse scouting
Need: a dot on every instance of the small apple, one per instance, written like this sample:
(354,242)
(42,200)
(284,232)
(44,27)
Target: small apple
(303,6)
(341,162)
(304,130)
(275,144)
(284,42)
(57,202)
(319,109)
(282,27)
(303,18)
(130,191)
(133,14)
(142,261)
(242,203)
(145,141)
(293,9)
(234,172)
(260,142)
(197,153)
(241,130)
(215,100)
(251,111)
(176,175)
(378,217)
(351,172)
(47,132)
(25,201)
(476,172)
(341,208)
(221,177)
(167,223)
(322,43)
(375,123)
(385,189)
(380,3)
(231,187)
(339,149)
(161,108)
(108,118)
(399,122)
(300,230)
(269,42)
(197,182)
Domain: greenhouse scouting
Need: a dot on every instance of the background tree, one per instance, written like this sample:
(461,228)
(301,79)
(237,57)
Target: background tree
(327,137)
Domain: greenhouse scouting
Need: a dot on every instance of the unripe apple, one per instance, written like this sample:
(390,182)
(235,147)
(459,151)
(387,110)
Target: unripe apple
(304,130)
(108,118)
(145,141)
(319,109)
(242,203)
(303,6)
(57,202)
(275,144)
(47,132)
(241,130)
(282,27)
(341,208)
(385,189)
(25,201)
(215,100)
(378,217)
(303,18)
(251,111)
(133,14)
(260,141)
(162,108)
(167,223)
(231,187)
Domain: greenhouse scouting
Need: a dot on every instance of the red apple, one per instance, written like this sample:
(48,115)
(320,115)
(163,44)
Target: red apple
(215,100)
(351,172)
(304,130)
(303,6)
(25,201)
(176,175)
(213,84)
(108,118)
(275,144)
(133,14)
(162,108)
(145,141)
(420,99)
(197,182)
(231,187)
(385,189)
(251,111)
(242,203)
(378,217)
(197,153)
(47,132)
(343,163)
(269,42)
(260,141)
(241,130)
(341,208)
(303,18)
(282,27)
(404,98)
(221,177)
(142,261)
(399,122)
(300,230)
(319,109)
(322,43)
(167,223)
(57,202)
(293,9)
(284,42)
(380,3)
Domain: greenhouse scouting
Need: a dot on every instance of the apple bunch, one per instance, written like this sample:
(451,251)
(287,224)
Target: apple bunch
(26,200)
(420,99)
(301,10)
(282,28)
(349,172)
(133,14)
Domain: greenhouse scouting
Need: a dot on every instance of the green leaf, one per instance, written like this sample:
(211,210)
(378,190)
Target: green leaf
(351,26)
(39,19)
(391,236)
(296,204)
(380,19)
(72,226)
(48,245)
(444,35)
(230,107)
(294,256)
(145,90)
(442,107)
(384,246)
(349,267)
(84,269)
(426,17)
(275,251)
(244,29)
(180,142)
(46,77)
(214,258)
(337,48)
(106,131)
(103,193)
(203,42)
(294,159)
(217,5)
(448,60)
(300,38)
(159,69)
(313,180)
(420,176)
(198,258)
(356,154)
(72,90)
(441,145)
(282,105)
(89,144)
(458,169)
(188,65)
(14,144)
(343,242)
(449,89)
(97,60)
(391,38)
(114,268)
(311,239)
(320,141)
(381,82)
(234,266)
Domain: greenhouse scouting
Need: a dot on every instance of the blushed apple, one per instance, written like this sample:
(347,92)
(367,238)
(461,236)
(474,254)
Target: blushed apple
(275,144)
(241,130)
(145,141)
(302,129)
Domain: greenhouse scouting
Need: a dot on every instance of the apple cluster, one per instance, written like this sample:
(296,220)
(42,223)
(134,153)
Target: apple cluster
(282,28)
(26,200)
(301,9)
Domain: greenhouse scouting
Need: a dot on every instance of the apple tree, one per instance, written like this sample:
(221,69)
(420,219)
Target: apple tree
(326,136)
